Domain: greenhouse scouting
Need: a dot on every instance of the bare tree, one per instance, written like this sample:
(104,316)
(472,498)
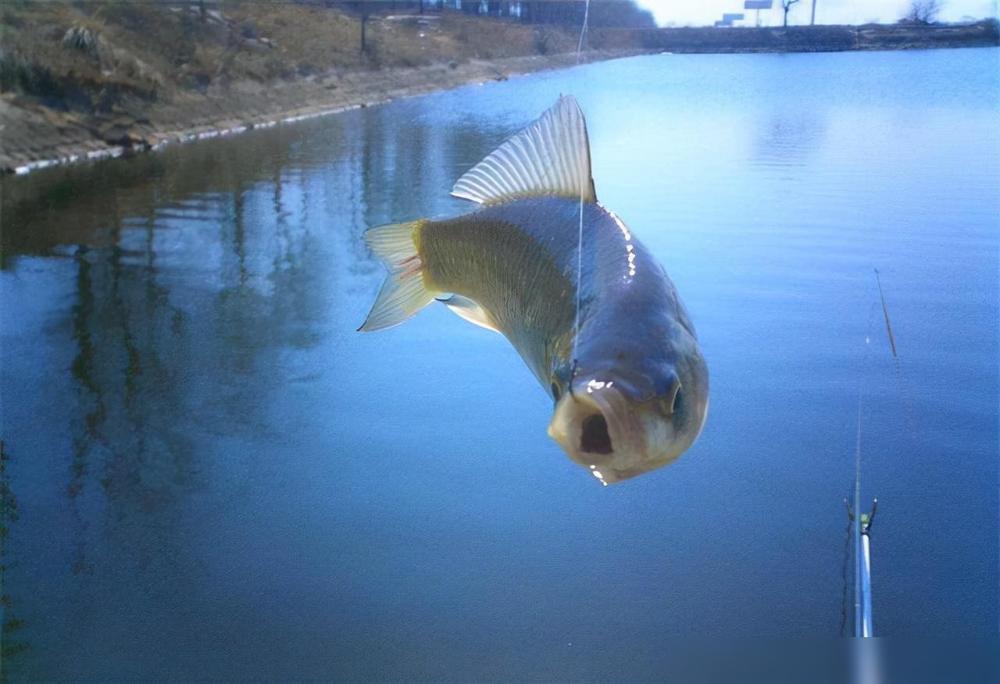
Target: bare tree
(787,5)
(923,11)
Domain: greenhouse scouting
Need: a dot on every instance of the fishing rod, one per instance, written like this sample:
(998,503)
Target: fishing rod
(866,667)
(862,546)
(861,523)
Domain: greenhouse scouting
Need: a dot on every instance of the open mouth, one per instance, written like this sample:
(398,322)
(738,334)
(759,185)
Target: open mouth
(594,437)
(595,427)
(612,436)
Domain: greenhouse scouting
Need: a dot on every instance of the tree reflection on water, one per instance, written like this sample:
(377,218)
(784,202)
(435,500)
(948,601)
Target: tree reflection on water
(199,273)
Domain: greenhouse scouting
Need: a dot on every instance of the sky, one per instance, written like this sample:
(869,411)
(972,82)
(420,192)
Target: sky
(705,12)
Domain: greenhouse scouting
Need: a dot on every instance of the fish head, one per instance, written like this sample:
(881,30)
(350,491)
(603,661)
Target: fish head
(628,418)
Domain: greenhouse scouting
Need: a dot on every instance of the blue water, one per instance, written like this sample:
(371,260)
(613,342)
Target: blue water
(216,476)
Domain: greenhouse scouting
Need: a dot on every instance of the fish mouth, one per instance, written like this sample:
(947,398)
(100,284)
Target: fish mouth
(594,435)
(597,429)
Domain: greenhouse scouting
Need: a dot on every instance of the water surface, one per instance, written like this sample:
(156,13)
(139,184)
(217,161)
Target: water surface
(216,476)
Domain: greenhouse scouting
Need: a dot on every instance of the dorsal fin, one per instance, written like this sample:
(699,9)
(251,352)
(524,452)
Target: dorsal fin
(549,157)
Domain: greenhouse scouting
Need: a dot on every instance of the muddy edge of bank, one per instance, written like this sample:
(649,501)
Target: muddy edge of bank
(35,138)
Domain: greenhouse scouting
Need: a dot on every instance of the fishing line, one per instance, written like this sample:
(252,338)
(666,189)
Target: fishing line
(579,239)
(579,289)
(583,29)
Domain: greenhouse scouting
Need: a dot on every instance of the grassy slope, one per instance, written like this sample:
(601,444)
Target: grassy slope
(156,51)
(118,71)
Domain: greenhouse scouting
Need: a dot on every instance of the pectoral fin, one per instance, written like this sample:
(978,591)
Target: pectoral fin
(470,311)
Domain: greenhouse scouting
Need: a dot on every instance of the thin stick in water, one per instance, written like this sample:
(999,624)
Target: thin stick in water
(885,312)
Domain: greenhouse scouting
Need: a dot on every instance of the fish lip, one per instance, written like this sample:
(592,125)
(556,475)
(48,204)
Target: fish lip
(573,408)
(614,475)
(613,405)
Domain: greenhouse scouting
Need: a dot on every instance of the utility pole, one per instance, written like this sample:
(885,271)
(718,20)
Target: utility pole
(812,19)
(364,20)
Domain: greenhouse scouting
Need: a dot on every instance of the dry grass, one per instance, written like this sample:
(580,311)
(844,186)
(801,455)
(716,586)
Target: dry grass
(79,76)
(107,54)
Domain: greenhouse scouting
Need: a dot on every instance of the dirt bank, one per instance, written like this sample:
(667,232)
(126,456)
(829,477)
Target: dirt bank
(36,137)
(86,80)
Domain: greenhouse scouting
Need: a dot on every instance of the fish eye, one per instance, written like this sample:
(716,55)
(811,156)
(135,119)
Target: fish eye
(555,391)
(673,402)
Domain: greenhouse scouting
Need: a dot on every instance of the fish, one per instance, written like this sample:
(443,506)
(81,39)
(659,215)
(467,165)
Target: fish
(592,313)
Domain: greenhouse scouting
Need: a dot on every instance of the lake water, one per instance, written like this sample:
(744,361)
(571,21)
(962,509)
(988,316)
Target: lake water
(216,476)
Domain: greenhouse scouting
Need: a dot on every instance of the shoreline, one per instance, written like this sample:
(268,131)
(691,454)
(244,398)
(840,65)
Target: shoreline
(823,38)
(36,137)
(77,143)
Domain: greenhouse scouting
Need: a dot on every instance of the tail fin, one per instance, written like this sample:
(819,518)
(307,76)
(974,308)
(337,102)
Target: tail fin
(403,293)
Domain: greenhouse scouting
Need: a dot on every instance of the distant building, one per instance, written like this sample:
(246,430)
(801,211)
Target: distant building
(728,19)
